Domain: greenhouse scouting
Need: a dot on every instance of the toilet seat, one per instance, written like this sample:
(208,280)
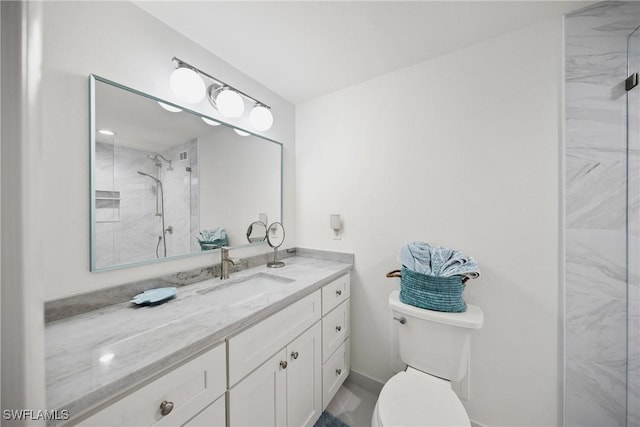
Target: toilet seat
(413,398)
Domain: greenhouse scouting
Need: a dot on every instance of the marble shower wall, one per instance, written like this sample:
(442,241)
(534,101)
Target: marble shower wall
(596,268)
(127,227)
(633,296)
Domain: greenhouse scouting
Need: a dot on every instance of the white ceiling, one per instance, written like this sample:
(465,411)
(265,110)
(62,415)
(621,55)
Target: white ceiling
(305,49)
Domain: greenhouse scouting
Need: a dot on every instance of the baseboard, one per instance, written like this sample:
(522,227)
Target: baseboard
(365,382)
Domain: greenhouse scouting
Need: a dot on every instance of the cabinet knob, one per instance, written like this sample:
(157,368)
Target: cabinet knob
(283,364)
(338,328)
(166,407)
(294,354)
(338,372)
(338,292)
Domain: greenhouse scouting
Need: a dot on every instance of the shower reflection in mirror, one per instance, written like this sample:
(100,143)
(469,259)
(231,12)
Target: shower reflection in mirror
(155,193)
(159,193)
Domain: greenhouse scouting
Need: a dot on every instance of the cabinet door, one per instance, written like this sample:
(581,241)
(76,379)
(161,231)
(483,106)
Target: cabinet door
(304,378)
(260,398)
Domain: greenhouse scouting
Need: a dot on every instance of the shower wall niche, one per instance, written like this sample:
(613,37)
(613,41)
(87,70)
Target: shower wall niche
(129,206)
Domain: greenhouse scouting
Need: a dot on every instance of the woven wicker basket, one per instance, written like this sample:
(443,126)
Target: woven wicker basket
(431,292)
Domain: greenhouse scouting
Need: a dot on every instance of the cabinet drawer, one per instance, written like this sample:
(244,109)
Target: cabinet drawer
(334,372)
(334,293)
(215,415)
(335,328)
(190,388)
(252,347)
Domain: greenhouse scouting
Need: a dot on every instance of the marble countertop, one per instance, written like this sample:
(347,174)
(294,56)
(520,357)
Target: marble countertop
(144,341)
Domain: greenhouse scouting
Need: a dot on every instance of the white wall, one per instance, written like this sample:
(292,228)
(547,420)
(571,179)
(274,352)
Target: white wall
(461,151)
(118,41)
(229,197)
(22,321)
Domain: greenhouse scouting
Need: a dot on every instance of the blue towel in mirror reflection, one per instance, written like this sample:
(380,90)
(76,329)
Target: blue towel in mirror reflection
(212,238)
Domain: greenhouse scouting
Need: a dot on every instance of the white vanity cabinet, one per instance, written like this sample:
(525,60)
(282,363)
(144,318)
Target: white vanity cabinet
(284,391)
(282,371)
(192,394)
(281,376)
(285,388)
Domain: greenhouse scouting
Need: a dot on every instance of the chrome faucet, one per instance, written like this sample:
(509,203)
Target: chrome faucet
(225,260)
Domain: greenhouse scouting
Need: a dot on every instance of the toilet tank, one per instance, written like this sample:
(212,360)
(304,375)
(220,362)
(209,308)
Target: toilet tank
(432,341)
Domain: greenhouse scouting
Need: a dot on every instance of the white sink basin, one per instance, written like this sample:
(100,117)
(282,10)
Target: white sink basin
(241,290)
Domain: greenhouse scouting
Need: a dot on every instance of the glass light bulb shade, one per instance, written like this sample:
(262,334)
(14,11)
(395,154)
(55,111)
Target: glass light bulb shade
(241,132)
(187,85)
(210,122)
(229,103)
(261,118)
(169,107)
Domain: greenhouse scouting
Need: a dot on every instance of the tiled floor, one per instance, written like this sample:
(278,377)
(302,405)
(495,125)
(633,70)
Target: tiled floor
(353,405)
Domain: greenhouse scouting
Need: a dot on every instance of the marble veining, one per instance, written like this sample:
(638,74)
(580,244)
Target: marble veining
(326,255)
(594,394)
(83,303)
(147,340)
(633,307)
(598,196)
(595,263)
(602,200)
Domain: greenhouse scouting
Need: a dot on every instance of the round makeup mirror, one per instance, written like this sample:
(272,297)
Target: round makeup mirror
(257,232)
(275,238)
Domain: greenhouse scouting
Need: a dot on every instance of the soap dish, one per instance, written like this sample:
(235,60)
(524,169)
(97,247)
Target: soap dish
(154,296)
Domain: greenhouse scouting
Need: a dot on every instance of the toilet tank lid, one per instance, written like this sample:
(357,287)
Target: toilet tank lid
(473,318)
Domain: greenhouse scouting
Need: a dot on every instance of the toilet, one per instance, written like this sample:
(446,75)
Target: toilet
(435,347)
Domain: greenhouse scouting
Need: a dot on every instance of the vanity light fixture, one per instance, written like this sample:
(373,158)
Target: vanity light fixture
(261,118)
(241,132)
(227,101)
(170,108)
(187,84)
(210,122)
(225,98)
(106,132)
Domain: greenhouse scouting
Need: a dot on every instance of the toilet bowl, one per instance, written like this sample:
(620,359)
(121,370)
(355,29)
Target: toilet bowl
(413,398)
(435,348)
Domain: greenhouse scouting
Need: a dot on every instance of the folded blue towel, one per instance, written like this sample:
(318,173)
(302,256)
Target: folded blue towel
(437,261)
(216,236)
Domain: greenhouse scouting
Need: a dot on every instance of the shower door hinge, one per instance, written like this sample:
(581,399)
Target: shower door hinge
(631,82)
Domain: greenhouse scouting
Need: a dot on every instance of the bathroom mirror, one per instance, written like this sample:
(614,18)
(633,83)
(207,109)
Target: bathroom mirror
(257,232)
(167,182)
(275,236)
